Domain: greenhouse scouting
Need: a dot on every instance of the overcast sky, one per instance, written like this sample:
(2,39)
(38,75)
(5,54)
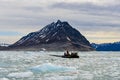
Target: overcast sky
(97,20)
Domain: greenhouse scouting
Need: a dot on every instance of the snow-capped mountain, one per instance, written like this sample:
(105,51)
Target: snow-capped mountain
(55,36)
(107,46)
(4,44)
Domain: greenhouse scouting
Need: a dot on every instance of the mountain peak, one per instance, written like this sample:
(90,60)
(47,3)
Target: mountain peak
(58,21)
(59,33)
(61,22)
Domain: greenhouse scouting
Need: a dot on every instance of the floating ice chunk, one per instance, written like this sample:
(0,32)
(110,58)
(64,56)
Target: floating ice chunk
(3,70)
(115,74)
(4,79)
(86,75)
(20,74)
(48,67)
(61,78)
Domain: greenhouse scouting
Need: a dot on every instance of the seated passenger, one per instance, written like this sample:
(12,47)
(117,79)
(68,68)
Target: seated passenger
(67,53)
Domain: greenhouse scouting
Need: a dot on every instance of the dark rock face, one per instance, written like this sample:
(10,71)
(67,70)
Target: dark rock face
(3,48)
(107,46)
(55,36)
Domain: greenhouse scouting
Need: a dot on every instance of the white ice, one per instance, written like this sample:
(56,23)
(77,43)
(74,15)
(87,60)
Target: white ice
(2,70)
(42,66)
(48,67)
(20,74)
(61,78)
(4,79)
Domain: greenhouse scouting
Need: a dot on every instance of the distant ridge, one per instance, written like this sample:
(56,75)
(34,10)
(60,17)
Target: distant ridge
(4,44)
(107,46)
(54,37)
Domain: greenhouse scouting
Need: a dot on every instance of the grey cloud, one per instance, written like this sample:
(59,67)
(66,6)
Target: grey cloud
(83,16)
(88,7)
(76,6)
(34,8)
(95,24)
(102,16)
(28,18)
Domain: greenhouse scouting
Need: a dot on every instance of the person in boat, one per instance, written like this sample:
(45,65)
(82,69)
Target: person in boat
(67,53)
(74,54)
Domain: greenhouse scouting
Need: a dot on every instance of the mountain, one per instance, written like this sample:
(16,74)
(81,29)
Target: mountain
(4,45)
(55,36)
(107,46)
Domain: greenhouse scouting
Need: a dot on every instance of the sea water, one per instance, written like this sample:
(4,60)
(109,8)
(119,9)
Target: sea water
(28,65)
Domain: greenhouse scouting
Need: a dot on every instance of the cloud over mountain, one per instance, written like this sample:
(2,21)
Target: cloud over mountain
(86,15)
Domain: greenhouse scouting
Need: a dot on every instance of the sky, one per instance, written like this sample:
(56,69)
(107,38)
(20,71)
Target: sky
(97,20)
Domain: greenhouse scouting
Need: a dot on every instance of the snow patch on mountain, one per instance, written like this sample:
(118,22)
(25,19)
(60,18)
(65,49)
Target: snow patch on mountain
(68,39)
(4,44)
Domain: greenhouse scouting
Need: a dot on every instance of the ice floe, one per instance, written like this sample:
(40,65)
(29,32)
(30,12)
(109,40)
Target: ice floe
(61,78)
(4,79)
(2,70)
(24,65)
(20,74)
(48,67)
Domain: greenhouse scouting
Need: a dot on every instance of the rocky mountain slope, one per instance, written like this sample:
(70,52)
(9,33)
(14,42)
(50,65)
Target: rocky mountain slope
(55,36)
